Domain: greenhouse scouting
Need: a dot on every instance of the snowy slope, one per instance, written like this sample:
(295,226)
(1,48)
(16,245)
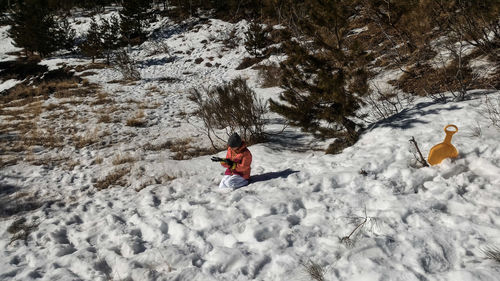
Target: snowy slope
(427,223)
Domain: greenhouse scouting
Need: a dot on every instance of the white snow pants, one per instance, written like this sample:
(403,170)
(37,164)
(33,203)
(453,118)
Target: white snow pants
(233,182)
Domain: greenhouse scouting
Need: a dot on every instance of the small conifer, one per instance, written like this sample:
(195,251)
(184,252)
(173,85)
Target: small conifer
(324,76)
(132,20)
(92,46)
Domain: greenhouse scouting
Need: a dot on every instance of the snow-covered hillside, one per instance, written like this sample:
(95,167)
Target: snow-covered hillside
(168,220)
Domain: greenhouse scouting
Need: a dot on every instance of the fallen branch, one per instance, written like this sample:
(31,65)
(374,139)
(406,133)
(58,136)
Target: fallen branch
(347,239)
(422,159)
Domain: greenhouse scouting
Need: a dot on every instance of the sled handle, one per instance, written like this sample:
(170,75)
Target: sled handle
(449,133)
(450,126)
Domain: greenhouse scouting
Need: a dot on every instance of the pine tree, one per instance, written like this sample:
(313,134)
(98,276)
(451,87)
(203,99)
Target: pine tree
(256,39)
(63,35)
(133,17)
(109,32)
(5,5)
(92,46)
(324,77)
(32,23)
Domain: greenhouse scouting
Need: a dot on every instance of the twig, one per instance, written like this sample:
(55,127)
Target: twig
(347,239)
(422,159)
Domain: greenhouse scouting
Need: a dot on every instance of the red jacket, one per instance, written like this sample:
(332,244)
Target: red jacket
(243,160)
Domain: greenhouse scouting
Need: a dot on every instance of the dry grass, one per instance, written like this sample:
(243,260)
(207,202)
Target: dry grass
(71,164)
(153,105)
(31,123)
(158,147)
(102,98)
(138,120)
(45,161)
(98,160)
(8,161)
(54,106)
(123,158)
(105,119)
(20,230)
(88,73)
(89,66)
(184,150)
(81,141)
(43,137)
(154,89)
(113,178)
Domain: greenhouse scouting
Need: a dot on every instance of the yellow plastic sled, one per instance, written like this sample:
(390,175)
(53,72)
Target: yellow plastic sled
(444,150)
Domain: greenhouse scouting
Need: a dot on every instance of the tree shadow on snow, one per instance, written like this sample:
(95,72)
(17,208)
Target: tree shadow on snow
(290,139)
(272,175)
(410,117)
(158,61)
(15,202)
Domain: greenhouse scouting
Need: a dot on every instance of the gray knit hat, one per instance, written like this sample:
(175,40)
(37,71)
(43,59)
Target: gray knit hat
(234,140)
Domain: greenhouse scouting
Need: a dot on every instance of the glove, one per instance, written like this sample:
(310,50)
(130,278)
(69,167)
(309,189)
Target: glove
(230,163)
(225,160)
(217,159)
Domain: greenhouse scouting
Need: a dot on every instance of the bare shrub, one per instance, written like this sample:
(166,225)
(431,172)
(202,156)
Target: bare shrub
(157,48)
(270,75)
(127,66)
(385,103)
(461,78)
(476,131)
(473,22)
(232,106)
(350,239)
(493,110)
(424,80)
(113,178)
(492,253)
(315,271)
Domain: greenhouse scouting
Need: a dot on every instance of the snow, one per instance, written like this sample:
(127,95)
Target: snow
(8,84)
(7,45)
(422,223)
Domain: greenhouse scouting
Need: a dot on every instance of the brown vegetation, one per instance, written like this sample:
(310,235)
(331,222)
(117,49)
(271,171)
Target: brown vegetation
(113,178)
(123,158)
(138,120)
